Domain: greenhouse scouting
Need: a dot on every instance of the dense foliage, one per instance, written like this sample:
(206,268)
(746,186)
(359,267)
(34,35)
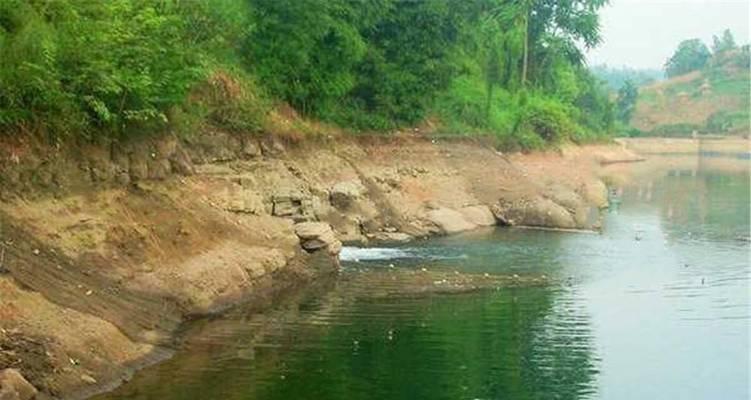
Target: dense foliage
(691,55)
(508,68)
(626,102)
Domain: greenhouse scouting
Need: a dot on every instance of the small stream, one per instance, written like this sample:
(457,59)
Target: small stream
(654,307)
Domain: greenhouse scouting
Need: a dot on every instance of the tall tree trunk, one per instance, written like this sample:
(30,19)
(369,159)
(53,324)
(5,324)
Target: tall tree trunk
(488,101)
(525,61)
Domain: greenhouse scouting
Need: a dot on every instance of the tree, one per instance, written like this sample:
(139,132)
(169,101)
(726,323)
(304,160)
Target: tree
(721,45)
(626,102)
(691,55)
(550,26)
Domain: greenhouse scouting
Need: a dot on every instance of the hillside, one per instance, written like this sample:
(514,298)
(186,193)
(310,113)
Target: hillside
(118,69)
(714,100)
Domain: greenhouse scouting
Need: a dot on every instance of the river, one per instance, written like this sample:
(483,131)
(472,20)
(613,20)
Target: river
(656,306)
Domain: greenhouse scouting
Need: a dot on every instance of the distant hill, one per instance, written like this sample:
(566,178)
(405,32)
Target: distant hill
(615,77)
(714,100)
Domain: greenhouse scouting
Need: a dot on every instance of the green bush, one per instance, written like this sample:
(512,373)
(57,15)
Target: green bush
(122,67)
(94,68)
(546,118)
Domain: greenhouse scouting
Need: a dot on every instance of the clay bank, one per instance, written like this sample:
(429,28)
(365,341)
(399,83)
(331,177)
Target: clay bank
(106,251)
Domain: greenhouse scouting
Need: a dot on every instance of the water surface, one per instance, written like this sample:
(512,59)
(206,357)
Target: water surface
(654,307)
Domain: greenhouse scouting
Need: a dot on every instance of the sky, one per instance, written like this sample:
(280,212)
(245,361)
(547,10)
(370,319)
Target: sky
(644,33)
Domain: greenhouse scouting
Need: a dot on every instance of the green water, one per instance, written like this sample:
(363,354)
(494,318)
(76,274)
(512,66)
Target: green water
(655,307)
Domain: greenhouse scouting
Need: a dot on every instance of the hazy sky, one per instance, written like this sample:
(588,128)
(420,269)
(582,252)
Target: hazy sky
(644,33)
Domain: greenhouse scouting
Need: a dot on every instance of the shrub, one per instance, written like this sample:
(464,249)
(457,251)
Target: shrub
(546,118)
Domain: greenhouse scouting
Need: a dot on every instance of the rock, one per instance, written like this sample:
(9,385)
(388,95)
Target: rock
(345,194)
(293,204)
(214,147)
(13,386)
(595,193)
(88,379)
(479,215)
(539,212)
(449,221)
(138,167)
(272,147)
(158,169)
(318,235)
(391,237)
(181,163)
(243,201)
(250,149)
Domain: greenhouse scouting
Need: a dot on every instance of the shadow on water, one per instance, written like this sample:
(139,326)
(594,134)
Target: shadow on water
(654,307)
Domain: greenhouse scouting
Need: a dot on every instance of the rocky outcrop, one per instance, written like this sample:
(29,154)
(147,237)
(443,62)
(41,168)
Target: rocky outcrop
(538,212)
(13,386)
(315,236)
(449,221)
(294,204)
(345,194)
(479,215)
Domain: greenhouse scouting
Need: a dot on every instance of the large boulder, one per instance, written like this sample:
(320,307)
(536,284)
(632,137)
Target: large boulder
(449,221)
(538,212)
(595,193)
(479,215)
(315,236)
(13,386)
(345,194)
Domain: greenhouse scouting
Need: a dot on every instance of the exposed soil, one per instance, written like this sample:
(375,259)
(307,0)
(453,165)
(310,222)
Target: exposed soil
(106,251)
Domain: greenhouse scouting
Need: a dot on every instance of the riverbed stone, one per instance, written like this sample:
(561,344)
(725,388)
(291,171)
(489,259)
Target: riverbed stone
(449,221)
(13,386)
(479,215)
(391,237)
(316,236)
(537,212)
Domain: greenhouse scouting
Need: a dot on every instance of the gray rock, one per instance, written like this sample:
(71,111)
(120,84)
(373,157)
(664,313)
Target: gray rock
(345,194)
(391,237)
(318,235)
(244,201)
(479,215)
(272,147)
(539,212)
(181,163)
(13,386)
(293,204)
(250,149)
(449,221)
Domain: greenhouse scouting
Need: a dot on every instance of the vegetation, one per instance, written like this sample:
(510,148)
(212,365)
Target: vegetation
(626,103)
(711,97)
(506,68)
(691,55)
(615,78)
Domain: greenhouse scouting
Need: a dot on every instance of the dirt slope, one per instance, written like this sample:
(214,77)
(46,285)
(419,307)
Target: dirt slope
(105,251)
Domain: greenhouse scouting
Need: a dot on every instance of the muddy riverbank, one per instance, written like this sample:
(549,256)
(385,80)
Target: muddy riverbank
(108,251)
